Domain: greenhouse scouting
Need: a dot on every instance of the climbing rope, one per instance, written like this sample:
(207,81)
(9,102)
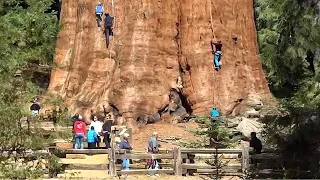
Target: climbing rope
(211,21)
(214,38)
(114,25)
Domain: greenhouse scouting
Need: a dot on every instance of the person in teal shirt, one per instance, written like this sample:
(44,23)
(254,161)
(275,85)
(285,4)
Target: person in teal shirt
(92,138)
(215,112)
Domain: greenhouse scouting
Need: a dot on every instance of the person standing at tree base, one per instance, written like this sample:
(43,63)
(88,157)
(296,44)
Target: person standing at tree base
(79,129)
(98,129)
(153,148)
(106,131)
(124,144)
(92,138)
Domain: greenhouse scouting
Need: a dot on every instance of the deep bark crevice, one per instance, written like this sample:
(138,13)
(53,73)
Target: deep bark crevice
(185,103)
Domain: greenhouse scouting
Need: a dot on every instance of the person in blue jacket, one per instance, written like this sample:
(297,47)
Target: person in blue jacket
(92,138)
(214,113)
(99,13)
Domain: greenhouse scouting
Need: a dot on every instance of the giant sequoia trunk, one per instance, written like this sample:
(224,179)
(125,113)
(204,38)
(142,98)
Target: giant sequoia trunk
(154,43)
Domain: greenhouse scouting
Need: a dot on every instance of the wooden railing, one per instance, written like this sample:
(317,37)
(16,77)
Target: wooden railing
(182,161)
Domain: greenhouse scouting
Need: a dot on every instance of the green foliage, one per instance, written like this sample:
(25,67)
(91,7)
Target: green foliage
(63,119)
(289,35)
(24,172)
(13,135)
(28,34)
(287,32)
(212,135)
(66,135)
(201,119)
(220,136)
(54,166)
(295,133)
(53,100)
(217,164)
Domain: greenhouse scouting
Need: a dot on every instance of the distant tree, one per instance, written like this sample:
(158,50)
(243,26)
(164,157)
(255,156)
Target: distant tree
(289,35)
(28,36)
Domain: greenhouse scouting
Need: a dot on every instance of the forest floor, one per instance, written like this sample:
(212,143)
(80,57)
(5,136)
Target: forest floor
(180,131)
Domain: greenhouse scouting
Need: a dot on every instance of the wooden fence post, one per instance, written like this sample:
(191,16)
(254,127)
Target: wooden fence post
(177,161)
(112,157)
(130,135)
(245,159)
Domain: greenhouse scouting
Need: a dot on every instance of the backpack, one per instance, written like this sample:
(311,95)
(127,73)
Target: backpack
(108,21)
(99,9)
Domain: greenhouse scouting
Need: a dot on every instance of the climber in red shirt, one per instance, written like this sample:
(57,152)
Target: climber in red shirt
(79,129)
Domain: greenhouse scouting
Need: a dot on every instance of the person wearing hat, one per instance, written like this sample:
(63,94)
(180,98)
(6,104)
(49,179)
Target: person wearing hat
(124,144)
(99,13)
(74,118)
(153,147)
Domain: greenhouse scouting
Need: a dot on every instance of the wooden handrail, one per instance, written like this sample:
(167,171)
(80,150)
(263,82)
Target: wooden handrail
(210,151)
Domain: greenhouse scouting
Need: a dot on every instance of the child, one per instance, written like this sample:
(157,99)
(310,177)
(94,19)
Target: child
(92,138)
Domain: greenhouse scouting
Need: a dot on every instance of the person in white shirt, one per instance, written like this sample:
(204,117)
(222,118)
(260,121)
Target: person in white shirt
(98,128)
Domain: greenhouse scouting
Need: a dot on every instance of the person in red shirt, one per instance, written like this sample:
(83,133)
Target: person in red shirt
(79,129)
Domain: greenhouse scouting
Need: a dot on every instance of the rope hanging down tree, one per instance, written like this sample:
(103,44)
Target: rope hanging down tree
(114,25)
(212,40)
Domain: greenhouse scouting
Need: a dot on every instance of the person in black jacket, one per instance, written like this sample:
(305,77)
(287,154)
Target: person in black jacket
(255,143)
(106,130)
(35,108)
(108,23)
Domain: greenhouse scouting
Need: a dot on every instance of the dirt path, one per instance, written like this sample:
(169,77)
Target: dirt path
(165,130)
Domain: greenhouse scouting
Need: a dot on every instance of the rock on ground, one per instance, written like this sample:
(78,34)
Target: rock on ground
(246,126)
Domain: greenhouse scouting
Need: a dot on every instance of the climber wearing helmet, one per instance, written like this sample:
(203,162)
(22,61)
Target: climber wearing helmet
(108,23)
(217,54)
(99,13)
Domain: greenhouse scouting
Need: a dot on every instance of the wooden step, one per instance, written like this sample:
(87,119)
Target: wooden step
(76,156)
(143,166)
(86,166)
(69,145)
(145,171)
(85,174)
(86,151)
(95,159)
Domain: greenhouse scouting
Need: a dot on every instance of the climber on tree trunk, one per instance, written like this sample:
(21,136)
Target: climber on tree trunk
(99,13)
(108,23)
(217,52)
